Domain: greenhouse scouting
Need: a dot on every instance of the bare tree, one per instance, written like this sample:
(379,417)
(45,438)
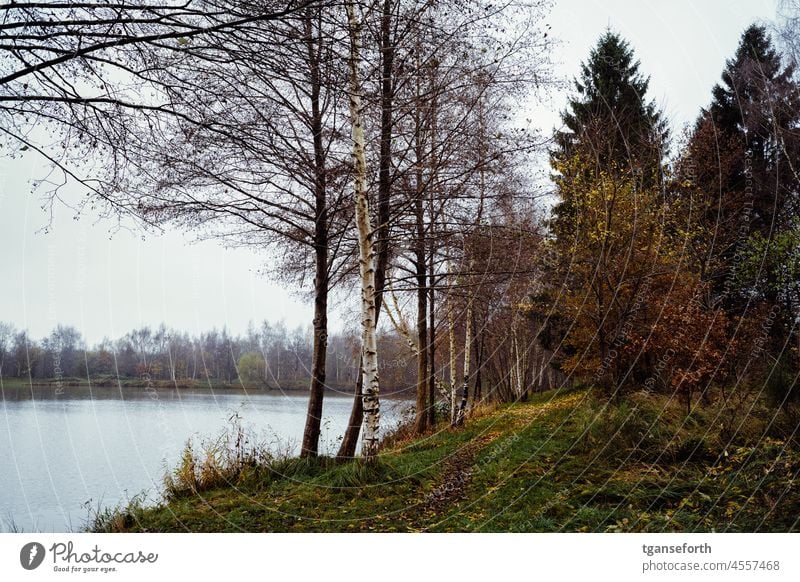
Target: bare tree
(283,179)
(75,75)
(457,102)
(787,29)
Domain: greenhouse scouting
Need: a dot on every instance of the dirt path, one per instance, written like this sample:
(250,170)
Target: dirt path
(456,476)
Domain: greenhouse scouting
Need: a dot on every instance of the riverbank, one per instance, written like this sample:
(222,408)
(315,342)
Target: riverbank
(135,382)
(65,384)
(561,462)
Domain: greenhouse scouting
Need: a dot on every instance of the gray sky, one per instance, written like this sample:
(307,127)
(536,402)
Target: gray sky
(77,275)
(682,44)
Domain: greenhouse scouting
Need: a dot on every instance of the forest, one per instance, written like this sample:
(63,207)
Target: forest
(380,150)
(268,356)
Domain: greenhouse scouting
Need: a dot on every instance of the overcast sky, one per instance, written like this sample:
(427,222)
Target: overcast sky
(77,274)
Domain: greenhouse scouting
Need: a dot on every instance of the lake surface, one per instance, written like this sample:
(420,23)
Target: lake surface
(62,454)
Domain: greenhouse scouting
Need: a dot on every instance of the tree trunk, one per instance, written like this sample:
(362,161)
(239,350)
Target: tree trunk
(421,423)
(310,444)
(431,349)
(369,345)
(451,327)
(525,374)
(434,166)
(420,264)
(479,347)
(517,388)
(347,449)
(467,351)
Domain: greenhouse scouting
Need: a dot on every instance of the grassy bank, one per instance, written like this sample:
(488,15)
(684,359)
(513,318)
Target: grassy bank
(562,462)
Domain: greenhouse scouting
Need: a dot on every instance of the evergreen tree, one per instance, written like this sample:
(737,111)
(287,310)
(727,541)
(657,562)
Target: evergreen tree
(609,123)
(740,165)
(758,104)
(608,164)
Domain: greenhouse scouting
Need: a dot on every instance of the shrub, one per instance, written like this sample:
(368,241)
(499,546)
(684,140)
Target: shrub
(233,458)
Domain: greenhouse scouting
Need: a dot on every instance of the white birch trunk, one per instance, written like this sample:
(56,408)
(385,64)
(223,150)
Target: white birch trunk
(467,350)
(369,344)
(452,331)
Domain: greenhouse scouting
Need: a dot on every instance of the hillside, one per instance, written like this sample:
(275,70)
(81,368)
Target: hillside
(562,462)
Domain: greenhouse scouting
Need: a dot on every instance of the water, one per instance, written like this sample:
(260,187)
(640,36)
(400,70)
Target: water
(64,454)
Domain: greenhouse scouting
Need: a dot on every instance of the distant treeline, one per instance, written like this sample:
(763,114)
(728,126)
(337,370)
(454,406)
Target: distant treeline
(270,355)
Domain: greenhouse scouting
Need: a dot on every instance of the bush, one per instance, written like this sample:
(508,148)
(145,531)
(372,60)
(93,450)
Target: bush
(781,386)
(233,458)
(252,367)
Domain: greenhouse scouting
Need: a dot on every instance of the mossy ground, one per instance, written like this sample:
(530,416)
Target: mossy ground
(560,462)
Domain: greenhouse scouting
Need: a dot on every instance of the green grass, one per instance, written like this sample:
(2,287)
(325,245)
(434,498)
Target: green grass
(561,462)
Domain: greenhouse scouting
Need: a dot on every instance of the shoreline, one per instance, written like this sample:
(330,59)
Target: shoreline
(299,386)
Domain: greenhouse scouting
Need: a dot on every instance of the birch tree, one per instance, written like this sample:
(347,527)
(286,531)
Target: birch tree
(369,345)
(387,38)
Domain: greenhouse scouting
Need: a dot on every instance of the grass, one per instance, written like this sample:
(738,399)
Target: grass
(561,462)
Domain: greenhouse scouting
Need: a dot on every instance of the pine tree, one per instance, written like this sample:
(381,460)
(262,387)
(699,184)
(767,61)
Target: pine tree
(608,164)
(758,103)
(740,164)
(609,123)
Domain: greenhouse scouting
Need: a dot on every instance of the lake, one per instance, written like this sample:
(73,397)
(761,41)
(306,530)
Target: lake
(86,448)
